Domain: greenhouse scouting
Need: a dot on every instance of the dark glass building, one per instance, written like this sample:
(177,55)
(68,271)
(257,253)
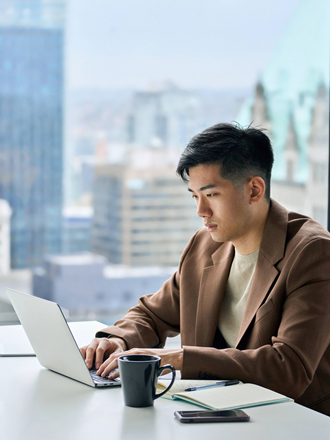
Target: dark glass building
(31,125)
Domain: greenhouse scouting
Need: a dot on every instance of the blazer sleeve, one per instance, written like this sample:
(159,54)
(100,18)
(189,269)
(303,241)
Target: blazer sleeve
(156,317)
(287,364)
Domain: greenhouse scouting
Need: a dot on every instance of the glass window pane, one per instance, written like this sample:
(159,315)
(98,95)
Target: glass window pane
(97,102)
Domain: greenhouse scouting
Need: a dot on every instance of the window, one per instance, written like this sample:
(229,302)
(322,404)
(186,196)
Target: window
(102,133)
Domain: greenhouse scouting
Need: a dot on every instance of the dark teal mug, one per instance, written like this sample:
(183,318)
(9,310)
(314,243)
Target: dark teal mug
(139,376)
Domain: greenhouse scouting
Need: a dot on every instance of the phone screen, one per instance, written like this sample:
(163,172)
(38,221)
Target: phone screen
(234,415)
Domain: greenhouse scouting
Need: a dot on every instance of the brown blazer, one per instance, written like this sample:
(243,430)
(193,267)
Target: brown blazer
(283,342)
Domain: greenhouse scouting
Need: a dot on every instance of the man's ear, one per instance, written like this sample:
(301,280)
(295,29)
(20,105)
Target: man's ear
(257,189)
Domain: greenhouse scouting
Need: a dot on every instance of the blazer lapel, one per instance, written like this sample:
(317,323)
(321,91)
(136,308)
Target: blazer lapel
(263,278)
(211,291)
(272,250)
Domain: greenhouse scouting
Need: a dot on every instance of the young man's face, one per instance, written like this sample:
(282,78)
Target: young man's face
(224,208)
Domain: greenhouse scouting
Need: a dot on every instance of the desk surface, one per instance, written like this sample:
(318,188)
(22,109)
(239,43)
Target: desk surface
(37,404)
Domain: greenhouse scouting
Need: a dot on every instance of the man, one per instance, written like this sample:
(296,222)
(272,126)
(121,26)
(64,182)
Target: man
(251,296)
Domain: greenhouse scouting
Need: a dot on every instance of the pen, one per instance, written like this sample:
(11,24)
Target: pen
(217,384)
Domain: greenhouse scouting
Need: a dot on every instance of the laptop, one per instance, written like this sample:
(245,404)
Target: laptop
(52,341)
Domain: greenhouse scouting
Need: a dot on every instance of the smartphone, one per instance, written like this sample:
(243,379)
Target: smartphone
(231,415)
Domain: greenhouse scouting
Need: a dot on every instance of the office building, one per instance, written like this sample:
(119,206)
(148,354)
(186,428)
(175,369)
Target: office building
(77,222)
(169,117)
(5,214)
(291,100)
(86,285)
(143,213)
(31,125)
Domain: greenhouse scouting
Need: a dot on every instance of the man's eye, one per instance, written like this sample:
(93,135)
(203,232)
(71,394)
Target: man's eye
(193,196)
(210,195)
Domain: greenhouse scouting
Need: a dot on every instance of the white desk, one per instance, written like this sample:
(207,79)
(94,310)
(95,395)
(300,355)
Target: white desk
(37,404)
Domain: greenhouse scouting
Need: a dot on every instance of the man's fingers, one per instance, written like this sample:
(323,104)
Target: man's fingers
(97,350)
(111,364)
(103,345)
(102,367)
(108,367)
(95,347)
(89,357)
(114,375)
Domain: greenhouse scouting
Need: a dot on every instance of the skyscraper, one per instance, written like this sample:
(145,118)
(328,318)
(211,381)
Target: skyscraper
(31,125)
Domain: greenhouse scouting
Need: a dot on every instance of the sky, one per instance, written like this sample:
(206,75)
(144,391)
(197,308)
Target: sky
(113,44)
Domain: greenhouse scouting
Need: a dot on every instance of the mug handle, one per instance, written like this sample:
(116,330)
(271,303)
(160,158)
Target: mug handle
(160,370)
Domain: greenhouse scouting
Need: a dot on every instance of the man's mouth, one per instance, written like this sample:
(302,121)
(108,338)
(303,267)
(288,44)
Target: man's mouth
(210,227)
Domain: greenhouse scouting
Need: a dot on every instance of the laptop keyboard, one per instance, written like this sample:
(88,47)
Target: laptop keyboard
(100,379)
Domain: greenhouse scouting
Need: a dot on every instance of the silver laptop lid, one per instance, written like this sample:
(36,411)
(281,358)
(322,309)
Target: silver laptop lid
(50,336)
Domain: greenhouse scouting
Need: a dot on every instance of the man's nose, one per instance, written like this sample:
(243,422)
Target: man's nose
(203,209)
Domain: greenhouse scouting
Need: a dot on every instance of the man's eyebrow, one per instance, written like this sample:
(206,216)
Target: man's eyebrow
(203,188)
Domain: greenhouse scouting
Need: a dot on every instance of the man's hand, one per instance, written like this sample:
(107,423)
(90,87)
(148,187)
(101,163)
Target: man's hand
(168,356)
(101,348)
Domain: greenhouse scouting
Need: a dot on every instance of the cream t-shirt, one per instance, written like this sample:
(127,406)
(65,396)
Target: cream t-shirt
(236,295)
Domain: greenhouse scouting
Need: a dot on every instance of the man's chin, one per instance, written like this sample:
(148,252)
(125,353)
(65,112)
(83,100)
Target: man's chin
(215,237)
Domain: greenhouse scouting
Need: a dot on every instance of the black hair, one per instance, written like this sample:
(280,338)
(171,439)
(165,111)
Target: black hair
(241,152)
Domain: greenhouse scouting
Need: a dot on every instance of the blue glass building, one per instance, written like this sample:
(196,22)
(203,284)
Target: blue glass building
(31,125)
